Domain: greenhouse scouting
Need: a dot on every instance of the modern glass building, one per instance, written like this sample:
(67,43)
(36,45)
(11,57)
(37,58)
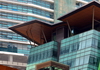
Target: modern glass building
(76,39)
(14,12)
(40,55)
(82,51)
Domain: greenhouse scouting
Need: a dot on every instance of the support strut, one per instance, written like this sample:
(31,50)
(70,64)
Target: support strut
(43,34)
(69,27)
(93,18)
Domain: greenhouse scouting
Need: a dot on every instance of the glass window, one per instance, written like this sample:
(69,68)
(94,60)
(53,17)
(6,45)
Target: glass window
(26,9)
(69,62)
(94,42)
(86,59)
(81,60)
(10,35)
(89,43)
(77,62)
(67,49)
(83,44)
(80,45)
(73,63)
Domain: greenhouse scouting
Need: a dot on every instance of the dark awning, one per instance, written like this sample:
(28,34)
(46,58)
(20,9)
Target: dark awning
(32,30)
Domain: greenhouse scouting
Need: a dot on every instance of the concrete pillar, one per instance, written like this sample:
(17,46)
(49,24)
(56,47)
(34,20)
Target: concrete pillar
(11,58)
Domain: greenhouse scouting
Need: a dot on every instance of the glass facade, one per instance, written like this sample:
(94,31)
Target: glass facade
(42,53)
(26,9)
(37,2)
(11,36)
(82,51)
(14,47)
(4,24)
(18,17)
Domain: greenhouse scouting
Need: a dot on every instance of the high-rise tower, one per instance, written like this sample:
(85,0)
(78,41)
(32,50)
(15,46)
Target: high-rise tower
(14,12)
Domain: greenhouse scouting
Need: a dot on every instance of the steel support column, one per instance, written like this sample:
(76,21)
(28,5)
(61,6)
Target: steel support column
(93,19)
(69,27)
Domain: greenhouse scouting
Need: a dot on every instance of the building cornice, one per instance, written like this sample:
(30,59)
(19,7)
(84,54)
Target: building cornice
(15,41)
(5,29)
(51,1)
(11,20)
(11,53)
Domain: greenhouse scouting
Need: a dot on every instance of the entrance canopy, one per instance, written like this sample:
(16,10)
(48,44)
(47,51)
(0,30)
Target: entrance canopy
(40,32)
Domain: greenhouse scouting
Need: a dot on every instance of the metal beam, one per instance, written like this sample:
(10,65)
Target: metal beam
(32,36)
(96,20)
(28,35)
(69,27)
(43,34)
